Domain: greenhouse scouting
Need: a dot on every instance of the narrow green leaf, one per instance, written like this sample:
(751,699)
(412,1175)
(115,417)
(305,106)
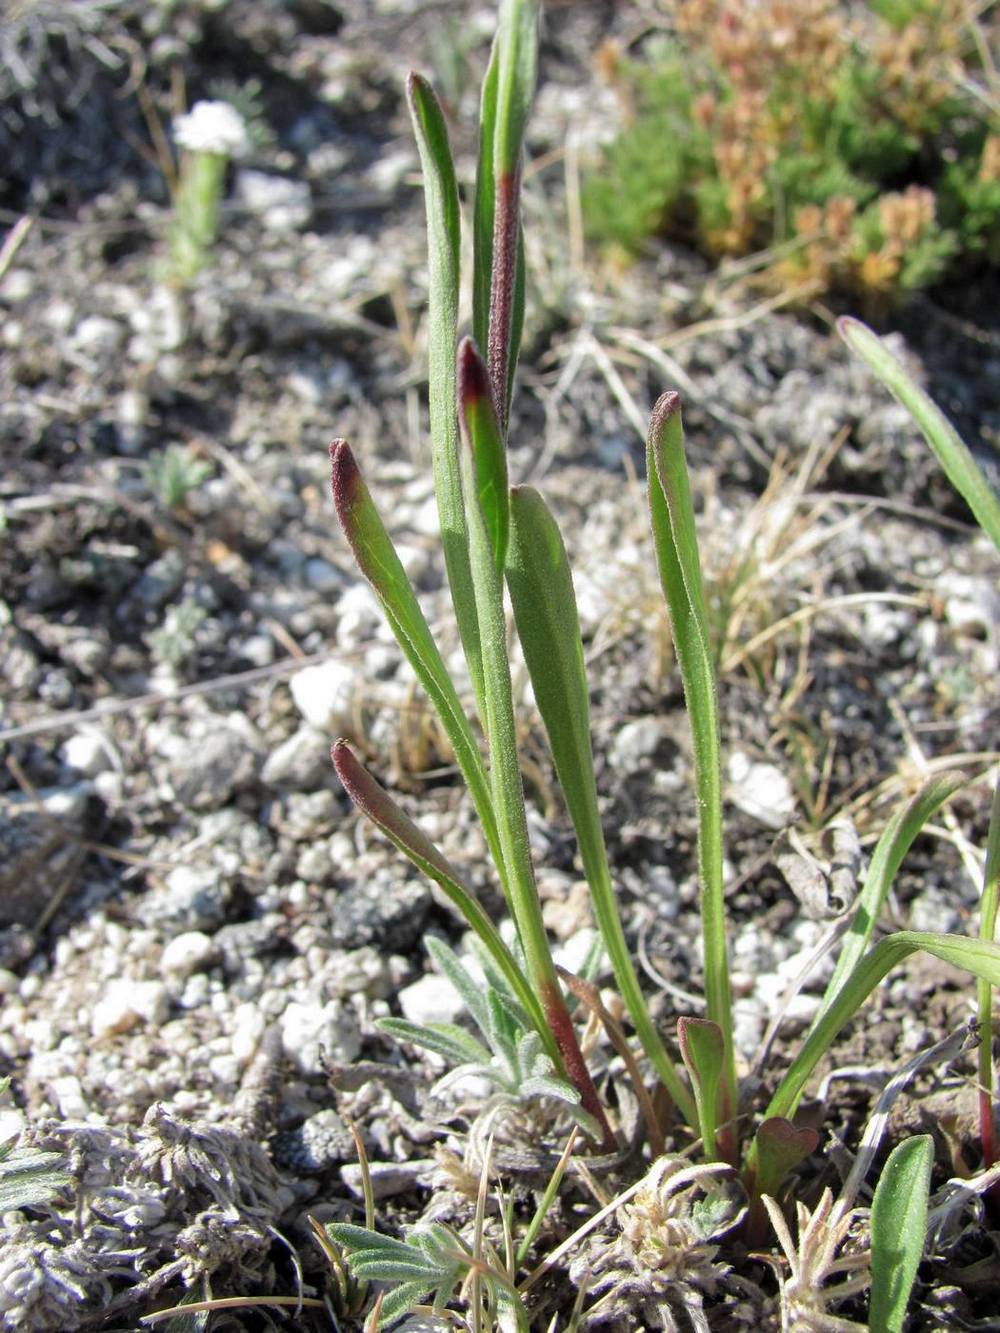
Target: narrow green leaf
(401,1300)
(475,998)
(541,591)
(482,258)
(498,265)
(508,794)
(896,840)
(703,1049)
(358,1239)
(981,958)
(952,453)
(384,812)
(676,544)
(517,41)
(29,1178)
(448,1040)
(443,248)
(378,561)
(481,432)
(899,1231)
(984,991)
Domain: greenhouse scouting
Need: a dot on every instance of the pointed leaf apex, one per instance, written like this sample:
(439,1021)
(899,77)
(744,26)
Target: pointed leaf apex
(473,381)
(666,406)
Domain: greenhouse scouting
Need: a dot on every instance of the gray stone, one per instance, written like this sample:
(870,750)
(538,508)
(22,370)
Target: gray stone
(193,898)
(209,767)
(301,763)
(316,1030)
(281,204)
(321,1142)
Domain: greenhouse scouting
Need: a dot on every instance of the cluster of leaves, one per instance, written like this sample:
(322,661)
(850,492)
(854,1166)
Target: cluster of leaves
(866,146)
(501,540)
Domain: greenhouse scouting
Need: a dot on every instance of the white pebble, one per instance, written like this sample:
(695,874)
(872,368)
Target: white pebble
(186,953)
(323,695)
(310,1032)
(431,999)
(248,1028)
(127,1003)
(86,752)
(761,791)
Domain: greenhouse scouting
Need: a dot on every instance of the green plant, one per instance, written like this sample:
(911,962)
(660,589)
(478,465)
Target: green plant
(493,535)
(28,1176)
(211,134)
(513,1060)
(174,473)
(862,146)
(174,642)
(899,1230)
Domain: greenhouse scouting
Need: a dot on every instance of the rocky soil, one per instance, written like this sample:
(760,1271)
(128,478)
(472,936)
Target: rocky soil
(196,933)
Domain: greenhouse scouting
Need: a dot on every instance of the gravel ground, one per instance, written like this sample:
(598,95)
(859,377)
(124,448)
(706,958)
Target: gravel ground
(196,933)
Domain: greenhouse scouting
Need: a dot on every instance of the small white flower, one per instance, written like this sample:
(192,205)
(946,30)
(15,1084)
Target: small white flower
(212,127)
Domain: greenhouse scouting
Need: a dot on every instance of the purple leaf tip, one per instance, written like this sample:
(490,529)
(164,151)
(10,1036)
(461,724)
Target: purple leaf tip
(473,382)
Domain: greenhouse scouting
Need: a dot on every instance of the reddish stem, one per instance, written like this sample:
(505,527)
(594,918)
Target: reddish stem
(576,1067)
(502,281)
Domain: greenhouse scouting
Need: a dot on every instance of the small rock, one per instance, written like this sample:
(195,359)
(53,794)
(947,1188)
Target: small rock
(97,338)
(761,791)
(127,1003)
(87,752)
(248,1029)
(384,910)
(281,204)
(161,579)
(308,815)
(388,1178)
(317,1144)
(431,999)
(206,770)
(302,763)
(323,695)
(322,576)
(189,952)
(193,898)
(316,1031)
(635,742)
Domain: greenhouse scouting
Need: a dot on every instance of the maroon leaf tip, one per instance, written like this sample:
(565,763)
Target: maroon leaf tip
(347,766)
(663,409)
(473,382)
(345,476)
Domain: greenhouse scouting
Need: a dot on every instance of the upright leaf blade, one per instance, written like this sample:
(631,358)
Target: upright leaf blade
(899,1231)
(541,591)
(499,258)
(481,431)
(984,991)
(374,801)
(981,958)
(703,1049)
(508,792)
(443,249)
(952,453)
(381,566)
(676,544)
(896,840)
